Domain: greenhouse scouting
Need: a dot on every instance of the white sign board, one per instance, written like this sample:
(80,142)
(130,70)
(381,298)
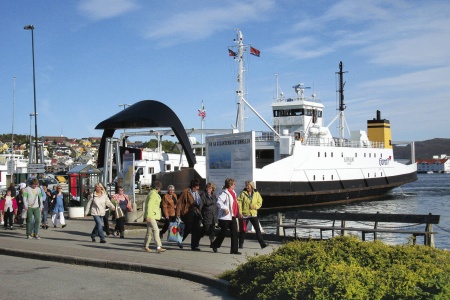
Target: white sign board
(230,155)
(36,168)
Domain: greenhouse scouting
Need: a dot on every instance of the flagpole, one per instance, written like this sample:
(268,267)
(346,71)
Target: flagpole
(203,123)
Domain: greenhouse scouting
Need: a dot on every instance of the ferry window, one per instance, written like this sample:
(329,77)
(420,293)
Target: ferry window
(342,154)
(318,154)
(314,177)
(323,177)
(309,112)
(370,154)
(368,175)
(332,177)
(276,113)
(375,174)
(381,155)
(374,155)
(381,174)
(325,154)
(364,154)
(356,154)
(331,154)
(151,170)
(319,114)
(168,167)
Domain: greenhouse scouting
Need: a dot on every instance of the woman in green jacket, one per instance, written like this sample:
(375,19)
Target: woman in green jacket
(152,213)
(250,201)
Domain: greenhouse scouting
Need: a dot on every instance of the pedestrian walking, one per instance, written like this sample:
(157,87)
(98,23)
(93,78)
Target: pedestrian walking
(209,211)
(228,216)
(121,200)
(57,205)
(169,204)
(96,206)
(8,208)
(33,205)
(152,214)
(189,210)
(250,201)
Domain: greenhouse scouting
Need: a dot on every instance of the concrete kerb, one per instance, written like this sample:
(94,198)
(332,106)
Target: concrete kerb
(187,275)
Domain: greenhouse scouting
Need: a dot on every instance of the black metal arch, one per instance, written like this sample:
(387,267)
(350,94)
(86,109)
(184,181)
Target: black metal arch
(145,114)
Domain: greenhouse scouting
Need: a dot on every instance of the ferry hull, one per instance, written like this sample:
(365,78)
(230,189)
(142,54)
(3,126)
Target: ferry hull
(285,195)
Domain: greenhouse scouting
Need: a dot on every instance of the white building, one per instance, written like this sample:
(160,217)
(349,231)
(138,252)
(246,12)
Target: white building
(438,164)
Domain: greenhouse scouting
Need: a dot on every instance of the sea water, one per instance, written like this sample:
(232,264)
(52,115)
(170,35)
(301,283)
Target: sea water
(429,194)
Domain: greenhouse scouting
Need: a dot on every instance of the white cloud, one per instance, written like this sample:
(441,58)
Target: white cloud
(105,9)
(204,22)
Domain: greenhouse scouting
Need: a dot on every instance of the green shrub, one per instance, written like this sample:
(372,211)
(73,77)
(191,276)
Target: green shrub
(344,268)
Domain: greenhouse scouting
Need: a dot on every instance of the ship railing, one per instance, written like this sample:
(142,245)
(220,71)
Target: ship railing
(335,142)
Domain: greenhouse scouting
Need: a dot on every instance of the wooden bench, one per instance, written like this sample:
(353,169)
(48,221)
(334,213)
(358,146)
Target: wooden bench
(374,218)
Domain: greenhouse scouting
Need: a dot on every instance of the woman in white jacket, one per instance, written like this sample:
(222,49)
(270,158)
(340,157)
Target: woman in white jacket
(97,206)
(228,216)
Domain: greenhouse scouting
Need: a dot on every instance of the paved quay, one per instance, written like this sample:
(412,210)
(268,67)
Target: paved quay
(73,245)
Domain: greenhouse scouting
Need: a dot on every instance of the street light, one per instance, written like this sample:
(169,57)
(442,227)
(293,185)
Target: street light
(31,27)
(31,115)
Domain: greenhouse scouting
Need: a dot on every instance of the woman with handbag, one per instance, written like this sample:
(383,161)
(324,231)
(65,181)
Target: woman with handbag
(189,210)
(250,201)
(96,206)
(169,203)
(122,204)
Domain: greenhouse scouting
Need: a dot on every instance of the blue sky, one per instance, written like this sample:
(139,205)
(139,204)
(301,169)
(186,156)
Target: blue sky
(91,56)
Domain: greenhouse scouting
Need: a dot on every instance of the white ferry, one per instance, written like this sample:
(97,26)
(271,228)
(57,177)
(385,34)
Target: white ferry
(299,163)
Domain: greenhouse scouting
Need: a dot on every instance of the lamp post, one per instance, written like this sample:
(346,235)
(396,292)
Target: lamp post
(31,27)
(124,106)
(31,115)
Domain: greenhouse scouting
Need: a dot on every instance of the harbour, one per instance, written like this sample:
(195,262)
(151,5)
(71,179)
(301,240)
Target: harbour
(429,194)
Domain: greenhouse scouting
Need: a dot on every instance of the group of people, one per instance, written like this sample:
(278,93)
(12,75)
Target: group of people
(201,211)
(32,203)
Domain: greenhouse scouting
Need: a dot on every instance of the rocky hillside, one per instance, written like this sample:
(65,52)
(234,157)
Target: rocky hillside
(424,149)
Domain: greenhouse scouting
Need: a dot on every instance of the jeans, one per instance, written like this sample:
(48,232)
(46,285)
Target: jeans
(44,216)
(106,222)
(98,229)
(33,227)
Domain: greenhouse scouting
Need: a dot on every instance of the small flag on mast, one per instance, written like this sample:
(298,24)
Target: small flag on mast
(202,112)
(254,51)
(232,53)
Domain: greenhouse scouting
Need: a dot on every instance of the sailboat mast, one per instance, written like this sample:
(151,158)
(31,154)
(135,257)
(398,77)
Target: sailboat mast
(240,79)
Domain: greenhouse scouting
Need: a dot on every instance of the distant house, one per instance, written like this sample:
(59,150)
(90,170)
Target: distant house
(436,165)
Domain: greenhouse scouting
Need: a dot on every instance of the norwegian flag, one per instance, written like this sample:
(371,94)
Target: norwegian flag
(254,51)
(202,112)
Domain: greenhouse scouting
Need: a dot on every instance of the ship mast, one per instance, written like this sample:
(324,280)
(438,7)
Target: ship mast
(240,79)
(341,102)
(240,92)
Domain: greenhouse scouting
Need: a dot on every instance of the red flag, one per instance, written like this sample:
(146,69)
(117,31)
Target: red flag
(254,51)
(231,53)
(202,112)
